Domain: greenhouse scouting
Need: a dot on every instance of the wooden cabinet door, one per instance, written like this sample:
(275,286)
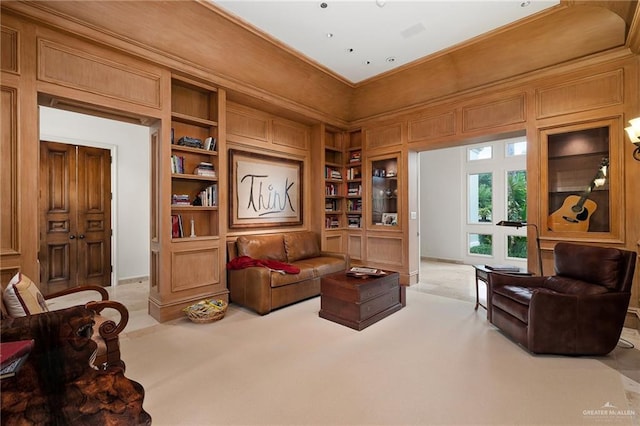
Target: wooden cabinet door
(75,212)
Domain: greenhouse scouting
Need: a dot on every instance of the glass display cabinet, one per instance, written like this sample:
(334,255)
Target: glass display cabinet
(582,181)
(384,191)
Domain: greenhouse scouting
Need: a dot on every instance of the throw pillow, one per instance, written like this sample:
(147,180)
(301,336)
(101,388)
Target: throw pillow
(22,297)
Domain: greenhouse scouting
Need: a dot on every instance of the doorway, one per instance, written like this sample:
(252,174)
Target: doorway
(75,216)
(478,193)
(129,145)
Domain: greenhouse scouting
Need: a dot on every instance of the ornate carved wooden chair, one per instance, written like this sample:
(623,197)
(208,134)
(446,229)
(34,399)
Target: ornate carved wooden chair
(57,385)
(22,298)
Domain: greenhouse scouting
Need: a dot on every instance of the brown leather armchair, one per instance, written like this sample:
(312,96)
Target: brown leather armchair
(578,311)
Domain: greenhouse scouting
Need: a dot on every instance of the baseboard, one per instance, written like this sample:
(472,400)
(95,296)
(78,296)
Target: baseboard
(436,259)
(133,280)
(632,320)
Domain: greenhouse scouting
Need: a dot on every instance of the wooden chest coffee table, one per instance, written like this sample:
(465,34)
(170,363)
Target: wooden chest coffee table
(358,302)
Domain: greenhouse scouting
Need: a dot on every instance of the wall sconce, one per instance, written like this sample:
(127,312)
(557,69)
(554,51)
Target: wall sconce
(634,136)
(517,225)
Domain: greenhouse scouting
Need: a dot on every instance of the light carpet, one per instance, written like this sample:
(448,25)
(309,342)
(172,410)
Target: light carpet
(436,361)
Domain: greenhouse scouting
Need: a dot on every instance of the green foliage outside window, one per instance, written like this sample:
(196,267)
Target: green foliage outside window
(485,197)
(517,211)
(485,245)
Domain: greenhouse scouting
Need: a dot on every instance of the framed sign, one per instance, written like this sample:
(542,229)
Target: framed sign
(264,191)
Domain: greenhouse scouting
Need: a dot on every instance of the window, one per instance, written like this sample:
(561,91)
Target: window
(480,244)
(496,189)
(516,247)
(517,195)
(480,153)
(517,148)
(480,190)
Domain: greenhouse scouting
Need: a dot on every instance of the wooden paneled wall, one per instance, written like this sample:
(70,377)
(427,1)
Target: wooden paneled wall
(105,59)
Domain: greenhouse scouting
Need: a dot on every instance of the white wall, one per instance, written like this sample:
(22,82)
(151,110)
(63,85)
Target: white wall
(441,214)
(130,180)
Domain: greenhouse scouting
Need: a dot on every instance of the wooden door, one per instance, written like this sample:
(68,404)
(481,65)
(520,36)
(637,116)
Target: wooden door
(75,212)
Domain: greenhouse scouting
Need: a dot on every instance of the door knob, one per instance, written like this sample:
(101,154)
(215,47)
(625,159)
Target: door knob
(72,237)
(81,236)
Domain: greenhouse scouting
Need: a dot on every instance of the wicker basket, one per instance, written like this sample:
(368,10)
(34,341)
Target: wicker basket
(206,311)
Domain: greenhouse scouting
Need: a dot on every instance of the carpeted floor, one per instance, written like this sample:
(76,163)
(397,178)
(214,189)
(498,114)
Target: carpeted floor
(437,361)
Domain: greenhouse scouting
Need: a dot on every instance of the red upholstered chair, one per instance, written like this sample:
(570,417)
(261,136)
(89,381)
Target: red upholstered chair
(578,311)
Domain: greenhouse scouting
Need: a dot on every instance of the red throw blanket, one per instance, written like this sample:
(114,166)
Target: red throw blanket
(242,262)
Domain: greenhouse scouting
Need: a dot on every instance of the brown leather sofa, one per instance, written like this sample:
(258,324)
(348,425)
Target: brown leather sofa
(578,311)
(262,289)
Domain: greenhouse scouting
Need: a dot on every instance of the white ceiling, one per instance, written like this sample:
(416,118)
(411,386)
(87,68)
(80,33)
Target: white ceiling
(371,37)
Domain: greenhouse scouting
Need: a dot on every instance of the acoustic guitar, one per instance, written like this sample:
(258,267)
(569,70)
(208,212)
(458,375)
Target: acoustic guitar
(576,211)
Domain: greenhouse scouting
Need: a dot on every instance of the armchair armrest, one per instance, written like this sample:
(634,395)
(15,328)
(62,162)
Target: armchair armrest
(106,334)
(576,324)
(109,327)
(104,295)
(497,279)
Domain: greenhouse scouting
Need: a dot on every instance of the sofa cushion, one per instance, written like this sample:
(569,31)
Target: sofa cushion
(279,280)
(301,245)
(596,264)
(22,297)
(323,265)
(572,286)
(508,305)
(262,247)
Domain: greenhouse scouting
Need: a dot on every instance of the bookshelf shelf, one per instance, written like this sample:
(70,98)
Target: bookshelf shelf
(181,148)
(188,176)
(195,121)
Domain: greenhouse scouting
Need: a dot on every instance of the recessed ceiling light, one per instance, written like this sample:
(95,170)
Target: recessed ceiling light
(390,59)
(367,62)
(380,3)
(525,3)
(329,35)
(350,50)
(323,5)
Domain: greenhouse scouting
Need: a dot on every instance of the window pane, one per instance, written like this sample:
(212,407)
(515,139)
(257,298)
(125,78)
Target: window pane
(516,148)
(480,244)
(517,195)
(480,198)
(481,153)
(517,246)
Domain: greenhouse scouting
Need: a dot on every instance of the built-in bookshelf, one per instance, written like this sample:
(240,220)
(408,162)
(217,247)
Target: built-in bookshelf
(353,171)
(334,181)
(194,161)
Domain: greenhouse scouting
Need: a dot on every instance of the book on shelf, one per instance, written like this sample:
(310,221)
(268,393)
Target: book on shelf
(177,164)
(354,173)
(205,169)
(176,226)
(13,355)
(208,197)
(331,173)
(180,200)
(354,157)
(502,268)
(210,143)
